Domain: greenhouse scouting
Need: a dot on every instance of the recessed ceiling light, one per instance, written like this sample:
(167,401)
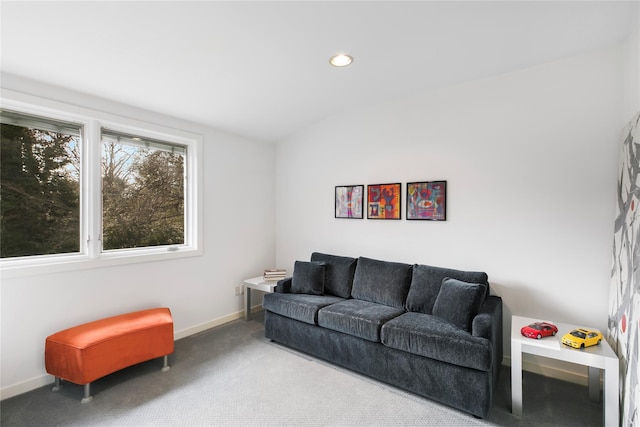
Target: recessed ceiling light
(341,60)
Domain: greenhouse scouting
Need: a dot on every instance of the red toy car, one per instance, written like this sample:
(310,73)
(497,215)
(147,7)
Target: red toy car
(539,329)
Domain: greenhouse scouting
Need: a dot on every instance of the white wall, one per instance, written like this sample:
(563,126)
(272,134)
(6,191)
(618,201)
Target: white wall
(530,159)
(632,71)
(239,239)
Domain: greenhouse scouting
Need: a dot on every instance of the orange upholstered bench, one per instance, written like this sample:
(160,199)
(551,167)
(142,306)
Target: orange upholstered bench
(84,353)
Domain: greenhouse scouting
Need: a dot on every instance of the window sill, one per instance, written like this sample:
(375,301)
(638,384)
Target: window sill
(10,269)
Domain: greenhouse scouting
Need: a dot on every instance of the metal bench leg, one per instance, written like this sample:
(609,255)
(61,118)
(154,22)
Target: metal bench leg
(57,385)
(165,365)
(87,394)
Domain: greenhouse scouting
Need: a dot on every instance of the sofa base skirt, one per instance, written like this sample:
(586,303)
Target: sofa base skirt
(462,388)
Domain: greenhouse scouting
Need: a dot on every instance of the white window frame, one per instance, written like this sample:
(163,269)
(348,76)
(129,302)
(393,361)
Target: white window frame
(91,254)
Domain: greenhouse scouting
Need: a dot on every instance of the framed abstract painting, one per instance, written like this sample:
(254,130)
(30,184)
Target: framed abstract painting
(349,201)
(383,201)
(427,200)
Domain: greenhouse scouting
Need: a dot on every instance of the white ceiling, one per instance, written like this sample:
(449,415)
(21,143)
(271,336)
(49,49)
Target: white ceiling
(260,69)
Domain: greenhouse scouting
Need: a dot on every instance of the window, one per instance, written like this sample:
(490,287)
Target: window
(142,192)
(39,186)
(80,188)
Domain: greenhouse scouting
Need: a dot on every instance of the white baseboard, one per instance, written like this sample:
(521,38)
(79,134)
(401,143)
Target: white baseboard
(25,386)
(537,368)
(551,371)
(207,325)
(213,323)
(46,379)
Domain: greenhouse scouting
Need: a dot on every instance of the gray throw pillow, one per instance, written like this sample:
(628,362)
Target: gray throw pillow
(308,278)
(338,276)
(458,302)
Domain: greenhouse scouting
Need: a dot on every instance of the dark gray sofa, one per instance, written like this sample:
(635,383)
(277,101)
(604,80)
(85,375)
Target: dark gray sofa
(433,331)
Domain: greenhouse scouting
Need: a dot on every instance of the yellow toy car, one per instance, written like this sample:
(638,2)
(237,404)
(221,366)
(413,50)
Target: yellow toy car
(581,338)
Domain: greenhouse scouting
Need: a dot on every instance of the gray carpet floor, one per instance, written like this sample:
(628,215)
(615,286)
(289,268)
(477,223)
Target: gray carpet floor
(232,376)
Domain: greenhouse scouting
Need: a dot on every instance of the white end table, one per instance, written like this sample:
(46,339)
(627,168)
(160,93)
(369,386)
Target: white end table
(596,357)
(259,284)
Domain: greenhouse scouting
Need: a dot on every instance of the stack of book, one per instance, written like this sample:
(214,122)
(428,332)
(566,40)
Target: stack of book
(275,274)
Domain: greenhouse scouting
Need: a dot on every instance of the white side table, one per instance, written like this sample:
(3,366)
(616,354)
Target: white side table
(596,357)
(259,284)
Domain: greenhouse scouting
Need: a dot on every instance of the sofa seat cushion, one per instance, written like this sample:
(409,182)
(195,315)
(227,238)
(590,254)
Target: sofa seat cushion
(426,281)
(300,307)
(362,319)
(429,336)
(382,282)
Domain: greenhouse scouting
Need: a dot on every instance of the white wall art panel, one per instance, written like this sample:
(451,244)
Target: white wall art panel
(624,314)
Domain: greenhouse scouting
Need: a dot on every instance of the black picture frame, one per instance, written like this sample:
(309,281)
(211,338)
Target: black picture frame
(427,201)
(384,201)
(349,201)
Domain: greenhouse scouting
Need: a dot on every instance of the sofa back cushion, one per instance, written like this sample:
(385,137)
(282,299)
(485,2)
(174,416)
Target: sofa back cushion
(381,282)
(427,280)
(338,279)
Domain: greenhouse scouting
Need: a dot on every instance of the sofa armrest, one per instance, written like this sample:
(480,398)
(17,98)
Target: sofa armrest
(488,322)
(283,286)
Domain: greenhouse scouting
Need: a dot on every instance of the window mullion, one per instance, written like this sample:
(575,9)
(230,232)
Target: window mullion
(94,190)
